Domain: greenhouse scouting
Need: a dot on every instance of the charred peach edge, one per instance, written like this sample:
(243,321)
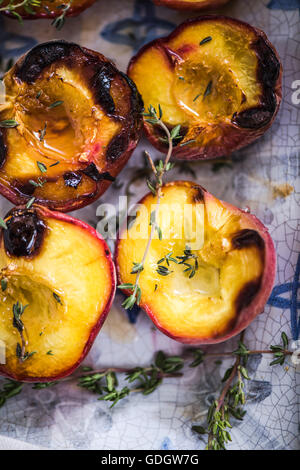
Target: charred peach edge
(260,299)
(243,136)
(187,5)
(45,212)
(133,128)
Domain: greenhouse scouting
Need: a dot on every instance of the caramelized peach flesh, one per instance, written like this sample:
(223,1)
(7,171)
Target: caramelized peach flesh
(217,77)
(230,251)
(75,114)
(50,9)
(62,270)
(191,4)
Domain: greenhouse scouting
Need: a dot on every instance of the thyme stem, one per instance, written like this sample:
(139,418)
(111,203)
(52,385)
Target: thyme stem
(158,188)
(14,7)
(159,174)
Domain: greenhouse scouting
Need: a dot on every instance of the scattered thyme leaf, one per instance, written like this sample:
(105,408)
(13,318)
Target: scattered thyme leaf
(57,298)
(208,89)
(30,202)
(55,104)
(3,284)
(10,389)
(54,164)
(187,142)
(42,385)
(205,40)
(137,267)
(42,134)
(3,223)
(59,22)
(9,123)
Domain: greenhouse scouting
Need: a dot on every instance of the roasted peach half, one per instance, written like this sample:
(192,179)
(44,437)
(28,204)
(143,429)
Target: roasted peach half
(217,77)
(211,273)
(57,285)
(48,9)
(191,4)
(69,123)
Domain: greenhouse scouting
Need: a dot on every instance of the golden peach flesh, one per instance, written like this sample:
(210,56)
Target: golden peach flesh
(202,297)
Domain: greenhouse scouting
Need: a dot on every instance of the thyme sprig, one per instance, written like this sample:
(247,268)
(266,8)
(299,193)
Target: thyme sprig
(59,22)
(190,267)
(153,117)
(28,5)
(232,398)
(21,353)
(104,383)
(10,389)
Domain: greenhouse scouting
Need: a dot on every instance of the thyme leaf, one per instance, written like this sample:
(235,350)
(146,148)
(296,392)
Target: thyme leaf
(9,123)
(56,103)
(208,89)
(3,223)
(205,40)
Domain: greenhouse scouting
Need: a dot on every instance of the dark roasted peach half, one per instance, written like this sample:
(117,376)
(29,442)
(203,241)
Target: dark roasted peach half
(211,273)
(57,285)
(69,123)
(48,9)
(191,4)
(217,77)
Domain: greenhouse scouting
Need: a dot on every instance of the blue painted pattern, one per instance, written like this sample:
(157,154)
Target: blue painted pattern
(284,4)
(293,303)
(12,44)
(133,313)
(138,29)
(166,444)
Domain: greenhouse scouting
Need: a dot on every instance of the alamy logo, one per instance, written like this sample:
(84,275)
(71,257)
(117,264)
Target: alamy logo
(183,222)
(296,93)
(2,352)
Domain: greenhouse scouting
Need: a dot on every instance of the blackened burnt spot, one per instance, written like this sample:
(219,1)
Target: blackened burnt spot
(247,294)
(245,238)
(253,118)
(268,70)
(101,83)
(117,147)
(136,99)
(26,189)
(268,64)
(199,194)
(260,116)
(24,234)
(92,172)
(72,179)
(3,150)
(41,57)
